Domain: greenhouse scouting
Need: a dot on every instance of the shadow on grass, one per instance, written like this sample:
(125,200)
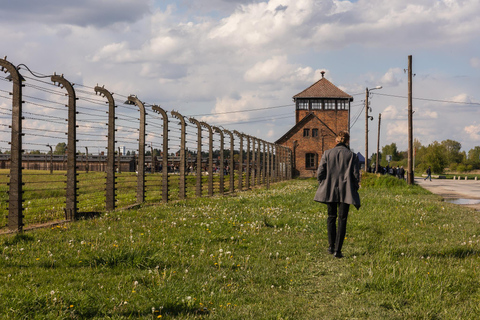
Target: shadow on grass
(459,253)
(41,305)
(18,238)
(87,215)
(171,310)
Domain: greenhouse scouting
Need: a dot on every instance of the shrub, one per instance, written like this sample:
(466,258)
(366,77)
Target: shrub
(385,181)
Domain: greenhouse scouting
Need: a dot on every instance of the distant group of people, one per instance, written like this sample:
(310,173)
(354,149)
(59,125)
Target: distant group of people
(398,171)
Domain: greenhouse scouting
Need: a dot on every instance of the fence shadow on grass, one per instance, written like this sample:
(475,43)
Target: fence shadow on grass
(171,309)
(459,253)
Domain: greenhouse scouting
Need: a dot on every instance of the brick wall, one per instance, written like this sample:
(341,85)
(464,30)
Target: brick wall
(335,120)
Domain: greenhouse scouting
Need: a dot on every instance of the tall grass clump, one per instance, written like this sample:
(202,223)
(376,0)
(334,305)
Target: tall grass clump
(259,254)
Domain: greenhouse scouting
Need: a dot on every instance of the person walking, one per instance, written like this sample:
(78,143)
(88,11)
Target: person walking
(429,174)
(339,176)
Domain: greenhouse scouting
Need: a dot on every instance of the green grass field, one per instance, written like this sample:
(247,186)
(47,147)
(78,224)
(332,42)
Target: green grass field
(258,255)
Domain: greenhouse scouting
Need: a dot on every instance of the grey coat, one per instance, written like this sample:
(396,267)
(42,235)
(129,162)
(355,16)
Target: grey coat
(339,176)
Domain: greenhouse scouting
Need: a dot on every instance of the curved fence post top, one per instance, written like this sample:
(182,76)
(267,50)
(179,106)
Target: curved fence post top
(239,134)
(159,110)
(218,130)
(178,116)
(105,93)
(194,121)
(64,83)
(228,132)
(206,125)
(7,66)
(133,100)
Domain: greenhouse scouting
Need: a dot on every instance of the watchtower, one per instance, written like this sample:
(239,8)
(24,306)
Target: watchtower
(321,111)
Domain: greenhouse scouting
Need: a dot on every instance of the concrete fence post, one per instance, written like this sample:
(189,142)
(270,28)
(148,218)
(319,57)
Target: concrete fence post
(71,201)
(247,170)
(15,196)
(133,100)
(110,182)
(231,162)
(268,173)
(165,186)
(181,185)
(221,169)
(198,185)
(254,162)
(210,157)
(240,160)
(259,161)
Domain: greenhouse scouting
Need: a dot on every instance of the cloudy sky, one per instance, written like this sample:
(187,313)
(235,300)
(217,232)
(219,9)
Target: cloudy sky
(206,58)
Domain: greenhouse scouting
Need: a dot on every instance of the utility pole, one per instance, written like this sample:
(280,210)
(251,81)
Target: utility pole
(378,142)
(367,107)
(410,176)
(366,128)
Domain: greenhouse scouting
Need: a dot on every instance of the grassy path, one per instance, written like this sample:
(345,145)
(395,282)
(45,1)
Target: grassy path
(258,255)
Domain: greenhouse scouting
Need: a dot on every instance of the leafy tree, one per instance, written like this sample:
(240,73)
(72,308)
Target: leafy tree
(474,154)
(452,151)
(60,148)
(391,150)
(435,157)
(474,157)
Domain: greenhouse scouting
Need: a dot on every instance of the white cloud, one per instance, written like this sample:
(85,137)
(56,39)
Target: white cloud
(268,71)
(396,130)
(473,131)
(116,51)
(391,77)
(225,107)
(475,62)
(277,69)
(428,114)
(462,97)
(390,112)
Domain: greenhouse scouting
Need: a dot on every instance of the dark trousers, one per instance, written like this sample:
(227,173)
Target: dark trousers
(336,237)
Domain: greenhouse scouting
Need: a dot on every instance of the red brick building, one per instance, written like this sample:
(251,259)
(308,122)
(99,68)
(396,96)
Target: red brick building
(321,111)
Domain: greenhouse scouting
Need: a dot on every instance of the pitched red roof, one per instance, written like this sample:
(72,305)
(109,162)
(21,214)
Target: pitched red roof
(300,124)
(323,89)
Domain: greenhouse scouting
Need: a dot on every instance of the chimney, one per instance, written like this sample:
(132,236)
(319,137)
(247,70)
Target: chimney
(323,74)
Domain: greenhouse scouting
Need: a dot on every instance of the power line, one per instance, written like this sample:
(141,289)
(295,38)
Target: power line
(358,116)
(247,110)
(429,99)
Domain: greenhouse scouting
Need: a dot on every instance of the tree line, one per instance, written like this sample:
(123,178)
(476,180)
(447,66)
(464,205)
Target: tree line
(440,156)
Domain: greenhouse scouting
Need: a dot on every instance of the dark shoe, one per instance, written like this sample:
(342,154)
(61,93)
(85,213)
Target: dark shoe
(331,250)
(338,254)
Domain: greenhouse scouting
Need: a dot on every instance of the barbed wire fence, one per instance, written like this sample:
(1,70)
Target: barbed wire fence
(63,152)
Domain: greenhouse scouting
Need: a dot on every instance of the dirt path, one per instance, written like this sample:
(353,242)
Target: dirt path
(453,189)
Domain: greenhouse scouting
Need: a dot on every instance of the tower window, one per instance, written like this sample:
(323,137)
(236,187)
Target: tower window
(330,104)
(316,105)
(342,105)
(311,161)
(306,132)
(302,105)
